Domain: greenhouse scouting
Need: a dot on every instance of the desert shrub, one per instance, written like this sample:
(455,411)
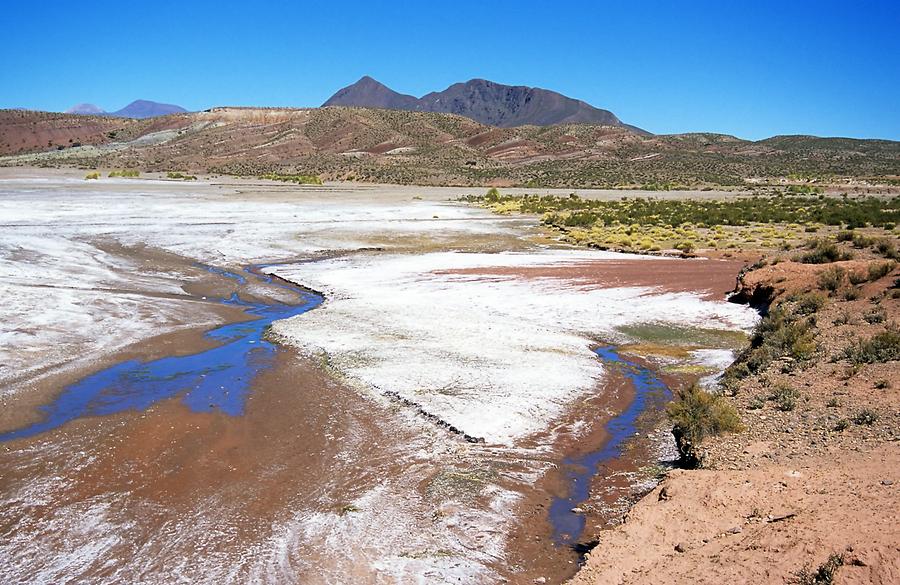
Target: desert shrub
(92,176)
(841,425)
(128,173)
(822,252)
(886,247)
(860,241)
(808,303)
(845,236)
(879,270)
(880,348)
(865,416)
(785,397)
(832,278)
(857,277)
(843,317)
(875,315)
(180,175)
(756,403)
(299,179)
(882,384)
(698,414)
(824,575)
(851,294)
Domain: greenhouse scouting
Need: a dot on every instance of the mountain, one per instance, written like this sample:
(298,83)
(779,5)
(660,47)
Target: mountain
(85,110)
(368,93)
(146,109)
(481,100)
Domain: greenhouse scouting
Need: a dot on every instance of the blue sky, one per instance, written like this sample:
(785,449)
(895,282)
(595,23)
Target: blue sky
(753,69)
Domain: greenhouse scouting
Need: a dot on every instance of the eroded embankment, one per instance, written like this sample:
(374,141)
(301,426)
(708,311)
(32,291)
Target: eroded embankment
(809,487)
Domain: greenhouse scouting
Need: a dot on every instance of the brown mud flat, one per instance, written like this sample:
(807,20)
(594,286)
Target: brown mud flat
(712,278)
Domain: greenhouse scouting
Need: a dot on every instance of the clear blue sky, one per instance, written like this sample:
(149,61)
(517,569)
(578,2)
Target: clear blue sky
(753,68)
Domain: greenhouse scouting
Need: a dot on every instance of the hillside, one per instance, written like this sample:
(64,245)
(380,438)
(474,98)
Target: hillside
(392,146)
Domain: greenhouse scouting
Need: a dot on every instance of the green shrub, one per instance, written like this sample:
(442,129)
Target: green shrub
(866,416)
(180,175)
(851,294)
(878,270)
(886,247)
(832,278)
(858,278)
(698,414)
(299,179)
(785,397)
(823,252)
(809,303)
(92,176)
(880,348)
(128,173)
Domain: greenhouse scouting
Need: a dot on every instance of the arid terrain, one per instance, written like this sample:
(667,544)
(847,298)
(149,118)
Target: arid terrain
(420,148)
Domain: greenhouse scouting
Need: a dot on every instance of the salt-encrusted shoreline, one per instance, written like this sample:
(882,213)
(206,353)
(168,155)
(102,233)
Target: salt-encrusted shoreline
(498,358)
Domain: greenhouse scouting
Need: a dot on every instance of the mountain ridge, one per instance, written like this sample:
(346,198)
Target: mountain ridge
(487,102)
(138,109)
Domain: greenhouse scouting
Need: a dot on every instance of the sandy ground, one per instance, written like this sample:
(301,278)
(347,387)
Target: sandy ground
(326,477)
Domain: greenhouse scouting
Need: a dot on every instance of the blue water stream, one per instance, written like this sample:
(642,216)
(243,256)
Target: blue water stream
(215,379)
(649,391)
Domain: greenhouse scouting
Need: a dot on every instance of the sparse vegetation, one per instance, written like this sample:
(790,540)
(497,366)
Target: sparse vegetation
(785,397)
(866,416)
(299,179)
(824,575)
(126,173)
(181,176)
(647,225)
(878,270)
(880,348)
(831,279)
(92,176)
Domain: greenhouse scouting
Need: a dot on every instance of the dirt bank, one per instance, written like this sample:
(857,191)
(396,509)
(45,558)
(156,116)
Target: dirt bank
(817,470)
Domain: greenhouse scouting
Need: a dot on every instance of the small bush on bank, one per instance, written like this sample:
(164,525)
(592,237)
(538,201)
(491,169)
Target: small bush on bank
(92,176)
(698,414)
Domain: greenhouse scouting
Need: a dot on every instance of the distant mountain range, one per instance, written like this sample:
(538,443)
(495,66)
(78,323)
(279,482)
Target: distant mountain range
(428,148)
(484,101)
(137,109)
